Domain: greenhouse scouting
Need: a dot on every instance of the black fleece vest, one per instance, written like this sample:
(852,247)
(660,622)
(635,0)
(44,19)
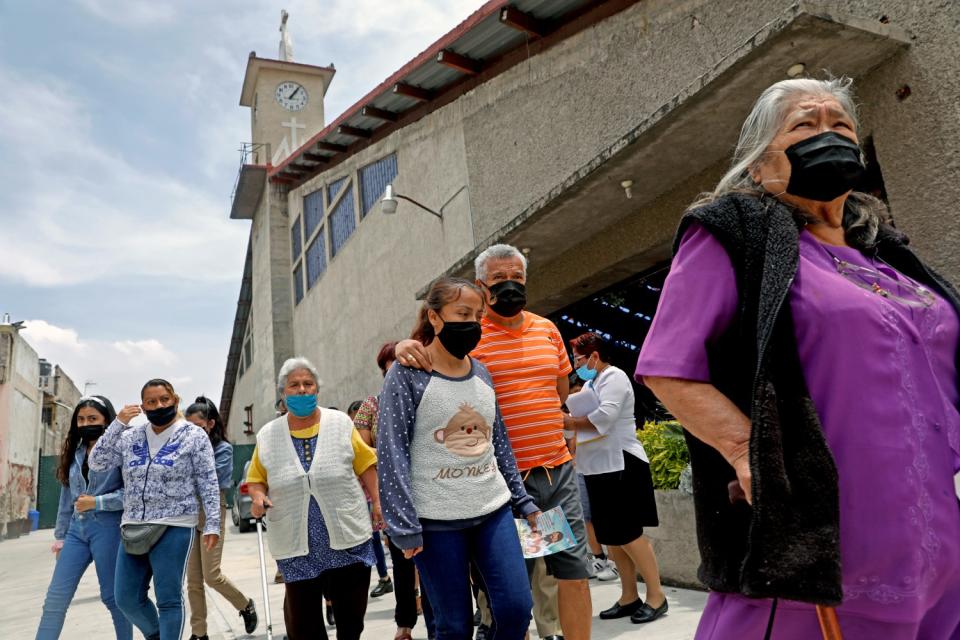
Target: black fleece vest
(787,544)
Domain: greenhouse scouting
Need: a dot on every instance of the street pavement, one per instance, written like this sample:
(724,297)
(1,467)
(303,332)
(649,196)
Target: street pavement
(26,565)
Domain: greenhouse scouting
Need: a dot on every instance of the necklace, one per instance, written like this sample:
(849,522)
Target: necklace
(877,282)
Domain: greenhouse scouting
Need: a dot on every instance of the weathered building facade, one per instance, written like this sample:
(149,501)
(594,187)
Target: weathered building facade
(578,131)
(60,397)
(20,405)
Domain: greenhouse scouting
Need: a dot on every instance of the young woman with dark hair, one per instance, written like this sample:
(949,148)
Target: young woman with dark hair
(203,566)
(168,471)
(449,479)
(88,521)
(404,583)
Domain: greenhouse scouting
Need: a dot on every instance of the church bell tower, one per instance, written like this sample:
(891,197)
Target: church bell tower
(285,100)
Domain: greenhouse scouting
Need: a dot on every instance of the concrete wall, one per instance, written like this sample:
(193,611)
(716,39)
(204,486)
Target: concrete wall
(20,402)
(61,397)
(271,312)
(675,540)
(367,294)
(267,116)
(521,135)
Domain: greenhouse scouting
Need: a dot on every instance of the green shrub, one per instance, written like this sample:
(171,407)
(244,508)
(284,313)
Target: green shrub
(667,451)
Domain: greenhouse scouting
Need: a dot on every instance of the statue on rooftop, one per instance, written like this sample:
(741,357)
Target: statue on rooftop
(286,45)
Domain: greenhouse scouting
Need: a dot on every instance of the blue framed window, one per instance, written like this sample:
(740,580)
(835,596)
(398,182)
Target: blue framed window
(374,178)
(296,241)
(316,259)
(312,212)
(342,222)
(334,188)
(298,283)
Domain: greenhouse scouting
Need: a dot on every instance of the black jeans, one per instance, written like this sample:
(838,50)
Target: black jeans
(347,590)
(405,592)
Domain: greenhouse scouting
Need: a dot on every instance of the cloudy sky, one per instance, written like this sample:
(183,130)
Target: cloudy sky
(119,131)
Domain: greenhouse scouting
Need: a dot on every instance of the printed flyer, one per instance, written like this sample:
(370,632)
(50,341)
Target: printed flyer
(553,534)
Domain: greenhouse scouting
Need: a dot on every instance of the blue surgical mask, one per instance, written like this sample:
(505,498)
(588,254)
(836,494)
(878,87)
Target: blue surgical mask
(586,374)
(301,406)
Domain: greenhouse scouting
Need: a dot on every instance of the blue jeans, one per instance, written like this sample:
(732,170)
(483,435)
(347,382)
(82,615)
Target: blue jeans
(92,537)
(494,549)
(381,558)
(166,563)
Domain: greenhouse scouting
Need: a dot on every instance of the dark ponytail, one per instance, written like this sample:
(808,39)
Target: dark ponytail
(205,408)
(443,291)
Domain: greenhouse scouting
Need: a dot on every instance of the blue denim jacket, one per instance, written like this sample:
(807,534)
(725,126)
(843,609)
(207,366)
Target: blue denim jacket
(223,460)
(107,486)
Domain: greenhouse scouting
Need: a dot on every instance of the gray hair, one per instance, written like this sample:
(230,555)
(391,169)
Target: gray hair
(295,364)
(863,213)
(496,252)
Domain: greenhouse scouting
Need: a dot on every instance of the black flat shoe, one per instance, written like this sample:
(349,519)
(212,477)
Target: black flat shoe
(249,615)
(330,619)
(646,613)
(621,610)
(384,586)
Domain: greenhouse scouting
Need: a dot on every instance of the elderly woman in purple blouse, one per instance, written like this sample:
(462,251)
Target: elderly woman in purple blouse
(812,358)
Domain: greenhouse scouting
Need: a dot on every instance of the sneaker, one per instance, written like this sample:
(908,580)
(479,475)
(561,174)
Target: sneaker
(383,587)
(595,566)
(249,615)
(608,573)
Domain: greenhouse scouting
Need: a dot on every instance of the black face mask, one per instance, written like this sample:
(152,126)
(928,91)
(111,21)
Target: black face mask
(459,338)
(510,297)
(162,417)
(824,167)
(90,433)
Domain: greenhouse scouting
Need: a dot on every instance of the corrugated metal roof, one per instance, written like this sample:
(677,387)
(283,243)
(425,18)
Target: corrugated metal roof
(481,37)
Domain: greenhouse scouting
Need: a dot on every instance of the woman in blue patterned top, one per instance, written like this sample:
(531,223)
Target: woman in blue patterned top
(448,473)
(88,521)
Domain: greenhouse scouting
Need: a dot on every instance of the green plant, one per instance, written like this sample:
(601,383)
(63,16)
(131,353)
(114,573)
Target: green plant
(667,451)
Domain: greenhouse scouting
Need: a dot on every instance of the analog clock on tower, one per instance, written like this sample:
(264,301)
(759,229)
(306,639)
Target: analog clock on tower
(291,95)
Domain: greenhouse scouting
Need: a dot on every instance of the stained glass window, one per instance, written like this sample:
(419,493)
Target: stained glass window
(312,212)
(298,283)
(342,221)
(296,241)
(316,259)
(374,178)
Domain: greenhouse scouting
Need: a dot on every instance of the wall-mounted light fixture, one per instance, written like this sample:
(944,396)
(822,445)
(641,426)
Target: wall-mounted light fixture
(390,201)
(627,188)
(796,70)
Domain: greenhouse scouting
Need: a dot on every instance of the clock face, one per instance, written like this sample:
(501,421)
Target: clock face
(291,95)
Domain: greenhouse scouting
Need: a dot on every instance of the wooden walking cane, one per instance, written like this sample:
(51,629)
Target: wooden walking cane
(829,625)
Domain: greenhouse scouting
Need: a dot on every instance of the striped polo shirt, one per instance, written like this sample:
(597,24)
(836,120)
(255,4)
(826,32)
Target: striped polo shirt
(525,364)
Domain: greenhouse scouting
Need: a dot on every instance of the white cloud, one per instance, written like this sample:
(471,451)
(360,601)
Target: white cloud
(146,351)
(131,13)
(98,213)
(118,367)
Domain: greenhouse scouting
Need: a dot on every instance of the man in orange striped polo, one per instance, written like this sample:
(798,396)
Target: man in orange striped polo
(528,362)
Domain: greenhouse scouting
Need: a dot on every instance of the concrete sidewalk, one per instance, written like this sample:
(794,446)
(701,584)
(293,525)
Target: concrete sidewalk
(26,565)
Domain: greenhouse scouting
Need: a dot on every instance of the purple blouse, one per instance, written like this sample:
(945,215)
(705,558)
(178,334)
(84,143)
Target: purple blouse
(882,375)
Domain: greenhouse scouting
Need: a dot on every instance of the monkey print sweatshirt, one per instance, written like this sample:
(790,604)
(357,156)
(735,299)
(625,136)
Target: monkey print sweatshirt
(444,458)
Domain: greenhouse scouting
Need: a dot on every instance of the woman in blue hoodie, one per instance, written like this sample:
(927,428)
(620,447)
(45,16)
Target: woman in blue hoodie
(166,464)
(88,521)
